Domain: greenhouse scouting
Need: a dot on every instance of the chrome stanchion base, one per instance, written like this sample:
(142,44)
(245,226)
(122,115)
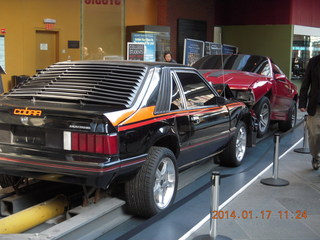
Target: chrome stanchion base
(275,182)
(208,237)
(302,150)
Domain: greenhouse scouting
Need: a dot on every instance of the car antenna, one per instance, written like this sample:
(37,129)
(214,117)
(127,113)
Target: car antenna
(222,68)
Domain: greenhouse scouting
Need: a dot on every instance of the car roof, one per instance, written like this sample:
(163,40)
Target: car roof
(125,62)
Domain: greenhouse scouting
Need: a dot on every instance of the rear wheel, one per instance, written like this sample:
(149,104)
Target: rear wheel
(154,187)
(233,155)
(292,118)
(262,111)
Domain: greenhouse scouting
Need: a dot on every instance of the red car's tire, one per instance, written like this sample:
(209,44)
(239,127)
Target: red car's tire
(262,110)
(292,118)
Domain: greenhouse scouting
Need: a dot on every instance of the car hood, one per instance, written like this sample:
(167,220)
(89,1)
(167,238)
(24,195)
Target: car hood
(235,79)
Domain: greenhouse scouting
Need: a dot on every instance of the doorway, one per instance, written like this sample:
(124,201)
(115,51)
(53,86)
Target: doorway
(46,49)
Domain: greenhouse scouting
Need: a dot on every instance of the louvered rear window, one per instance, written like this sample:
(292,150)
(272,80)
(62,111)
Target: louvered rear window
(84,82)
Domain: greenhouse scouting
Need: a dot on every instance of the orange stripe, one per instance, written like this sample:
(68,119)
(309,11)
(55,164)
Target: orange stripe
(145,116)
(140,115)
(119,116)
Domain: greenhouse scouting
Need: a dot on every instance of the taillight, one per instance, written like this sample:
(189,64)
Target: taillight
(93,143)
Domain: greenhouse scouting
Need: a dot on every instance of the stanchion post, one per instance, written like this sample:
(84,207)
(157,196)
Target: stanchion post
(276,156)
(305,147)
(275,181)
(215,186)
(215,177)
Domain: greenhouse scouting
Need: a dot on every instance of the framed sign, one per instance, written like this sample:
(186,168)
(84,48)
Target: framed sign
(150,45)
(73,44)
(135,51)
(229,49)
(212,48)
(193,50)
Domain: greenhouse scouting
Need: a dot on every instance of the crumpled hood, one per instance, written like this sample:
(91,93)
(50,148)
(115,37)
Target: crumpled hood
(235,79)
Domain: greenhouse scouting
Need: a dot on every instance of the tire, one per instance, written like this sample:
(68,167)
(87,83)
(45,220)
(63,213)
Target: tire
(8,180)
(292,118)
(233,155)
(154,187)
(262,111)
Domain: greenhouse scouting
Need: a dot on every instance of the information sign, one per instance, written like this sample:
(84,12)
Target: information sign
(135,51)
(193,50)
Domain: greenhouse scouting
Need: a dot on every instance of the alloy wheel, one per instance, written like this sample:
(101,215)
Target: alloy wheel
(264,117)
(241,143)
(164,186)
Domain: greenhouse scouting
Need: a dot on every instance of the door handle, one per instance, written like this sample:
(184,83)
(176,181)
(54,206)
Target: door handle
(195,119)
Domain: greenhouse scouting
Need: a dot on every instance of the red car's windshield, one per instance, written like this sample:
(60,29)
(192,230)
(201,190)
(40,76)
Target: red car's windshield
(241,62)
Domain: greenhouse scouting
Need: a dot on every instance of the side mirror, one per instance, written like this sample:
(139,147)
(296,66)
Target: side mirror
(220,100)
(217,100)
(280,77)
(223,90)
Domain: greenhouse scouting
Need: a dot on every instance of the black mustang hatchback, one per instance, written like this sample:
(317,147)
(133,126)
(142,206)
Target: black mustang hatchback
(94,123)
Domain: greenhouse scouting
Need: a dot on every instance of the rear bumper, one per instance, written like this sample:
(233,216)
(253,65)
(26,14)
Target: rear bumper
(74,169)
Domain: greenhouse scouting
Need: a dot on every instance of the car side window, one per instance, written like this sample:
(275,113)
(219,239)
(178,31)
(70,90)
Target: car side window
(197,93)
(276,69)
(176,101)
(265,69)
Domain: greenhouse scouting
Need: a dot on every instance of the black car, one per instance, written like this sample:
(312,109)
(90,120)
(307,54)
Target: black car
(94,123)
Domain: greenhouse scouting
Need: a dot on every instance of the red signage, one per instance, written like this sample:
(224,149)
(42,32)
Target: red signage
(103,2)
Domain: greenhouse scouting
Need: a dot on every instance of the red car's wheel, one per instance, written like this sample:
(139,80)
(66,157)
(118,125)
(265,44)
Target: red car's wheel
(262,111)
(292,118)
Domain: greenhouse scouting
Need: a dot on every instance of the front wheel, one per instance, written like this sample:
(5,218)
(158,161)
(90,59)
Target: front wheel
(262,110)
(154,187)
(233,155)
(292,118)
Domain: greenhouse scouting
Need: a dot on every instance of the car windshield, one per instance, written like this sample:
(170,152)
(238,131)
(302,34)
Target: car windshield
(248,63)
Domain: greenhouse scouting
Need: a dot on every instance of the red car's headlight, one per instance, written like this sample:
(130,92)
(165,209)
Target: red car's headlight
(245,96)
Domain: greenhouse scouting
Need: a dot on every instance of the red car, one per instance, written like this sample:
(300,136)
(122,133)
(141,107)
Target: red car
(258,82)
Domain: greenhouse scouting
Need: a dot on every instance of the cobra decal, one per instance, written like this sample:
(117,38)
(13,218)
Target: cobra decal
(27,112)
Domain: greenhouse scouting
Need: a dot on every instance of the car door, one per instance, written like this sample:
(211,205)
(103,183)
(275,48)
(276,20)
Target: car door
(208,120)
(283,91)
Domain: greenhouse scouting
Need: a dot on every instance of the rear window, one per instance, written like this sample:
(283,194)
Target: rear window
(84,82)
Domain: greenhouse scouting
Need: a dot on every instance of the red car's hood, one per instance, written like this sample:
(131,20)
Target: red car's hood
(235,79)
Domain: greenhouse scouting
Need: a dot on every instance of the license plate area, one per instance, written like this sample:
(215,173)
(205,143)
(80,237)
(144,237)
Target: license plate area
(28,135)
